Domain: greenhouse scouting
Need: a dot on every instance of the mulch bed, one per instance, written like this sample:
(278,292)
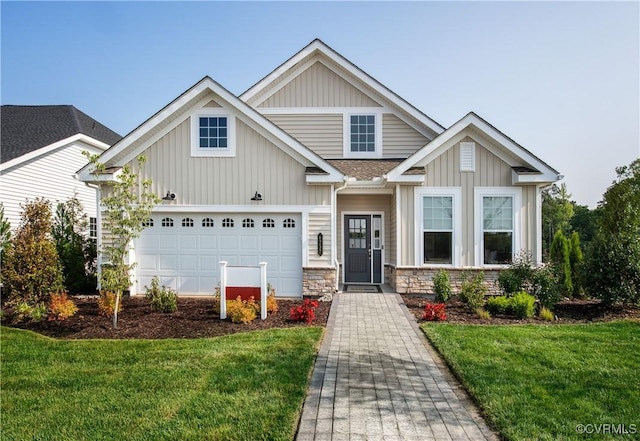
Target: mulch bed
(193,319)
(568,311)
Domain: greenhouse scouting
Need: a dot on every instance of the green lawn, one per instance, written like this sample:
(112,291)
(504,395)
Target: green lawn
(248,386)
(539,382)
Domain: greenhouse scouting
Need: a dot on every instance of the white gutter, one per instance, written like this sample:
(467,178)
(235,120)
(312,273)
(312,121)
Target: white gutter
(334,233)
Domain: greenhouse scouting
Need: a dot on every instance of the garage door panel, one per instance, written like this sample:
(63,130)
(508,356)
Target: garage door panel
(187,258)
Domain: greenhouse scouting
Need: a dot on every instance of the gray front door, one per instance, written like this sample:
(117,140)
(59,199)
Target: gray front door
(357,246)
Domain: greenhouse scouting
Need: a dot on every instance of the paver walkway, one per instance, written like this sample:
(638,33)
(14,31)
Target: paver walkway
(374,379)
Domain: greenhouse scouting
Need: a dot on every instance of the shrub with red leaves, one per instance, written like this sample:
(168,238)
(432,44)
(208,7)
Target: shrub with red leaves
(305,312)
(434,312)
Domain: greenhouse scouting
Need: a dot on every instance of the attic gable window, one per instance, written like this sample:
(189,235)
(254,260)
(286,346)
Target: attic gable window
(212,133)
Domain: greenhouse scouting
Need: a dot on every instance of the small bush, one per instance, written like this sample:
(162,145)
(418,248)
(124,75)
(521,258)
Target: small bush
(483,313)
(498,305)
(518,276)
(272,303)
(241,311)
(434,312)
(61,307)
(442,286)
(161,298)
(305,312)
(473,291)
(523,305)
(24,311)
(106,303)
(545,285)
(546,314)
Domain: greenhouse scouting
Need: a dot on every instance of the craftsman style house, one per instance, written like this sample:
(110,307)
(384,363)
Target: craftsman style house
(329,177)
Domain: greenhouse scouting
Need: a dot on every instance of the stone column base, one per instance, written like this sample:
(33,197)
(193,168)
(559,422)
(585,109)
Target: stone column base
(318,281)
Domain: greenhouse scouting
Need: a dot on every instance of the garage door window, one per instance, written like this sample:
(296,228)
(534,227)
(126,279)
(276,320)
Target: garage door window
(148,223)
(268,223)
(289,223)
(187,222)
(227,223)
(167,222)
(248,223)
(207,222)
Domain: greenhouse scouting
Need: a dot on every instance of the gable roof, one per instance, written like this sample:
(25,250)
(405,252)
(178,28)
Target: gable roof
(528,169)
(133,144)
(26,129)
(316,47)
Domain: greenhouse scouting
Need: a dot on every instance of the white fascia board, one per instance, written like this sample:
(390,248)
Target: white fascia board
(345,64)
(89,177)
(455,133)
(324,179)
(79,137)
(410,179)
(538,178)
(312,209)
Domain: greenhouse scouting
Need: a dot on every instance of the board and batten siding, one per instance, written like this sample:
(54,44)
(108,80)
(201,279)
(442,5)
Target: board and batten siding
(391,246)
(50,176)
(365,204)
(399,139)
(491,171)
(318,86)
(322,133)
(320,223)
(259,165)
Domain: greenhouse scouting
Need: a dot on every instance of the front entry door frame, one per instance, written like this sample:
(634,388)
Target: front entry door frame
(381,249)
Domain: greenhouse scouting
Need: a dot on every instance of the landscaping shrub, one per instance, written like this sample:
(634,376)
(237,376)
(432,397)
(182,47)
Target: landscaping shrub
(5,232)
(545,285)
(483,313)
(272,303)
(61,307)
(30,268)
(473,291)
(242,311)
(107,303)
(523,305)
(25,311)
(546,314)
(442,286)
(498,305)
(161,298)
(75,249)
(560,255)
(434,312)
(518,276)
(305,312)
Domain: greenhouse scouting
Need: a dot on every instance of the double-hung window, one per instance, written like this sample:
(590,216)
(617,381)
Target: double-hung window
(438,226)
(497,221)
(363,134)
(212,133)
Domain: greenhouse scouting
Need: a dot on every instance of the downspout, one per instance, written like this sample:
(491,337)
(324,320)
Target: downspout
(334,229)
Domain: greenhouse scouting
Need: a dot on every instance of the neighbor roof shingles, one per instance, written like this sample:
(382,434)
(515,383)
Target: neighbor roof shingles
(25,129)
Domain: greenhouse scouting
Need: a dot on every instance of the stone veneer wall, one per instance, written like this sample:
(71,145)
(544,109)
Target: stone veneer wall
(318,281)
(420,280)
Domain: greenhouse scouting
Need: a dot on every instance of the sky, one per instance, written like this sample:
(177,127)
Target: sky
(560,78)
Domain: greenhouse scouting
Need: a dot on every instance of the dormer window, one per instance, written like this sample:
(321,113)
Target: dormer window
(212,133)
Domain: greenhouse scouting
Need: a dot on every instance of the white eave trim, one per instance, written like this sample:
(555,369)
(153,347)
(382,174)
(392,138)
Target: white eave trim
(86,176)
(80,137)
(408,179)
(454,134)
(536,178)
(358,73)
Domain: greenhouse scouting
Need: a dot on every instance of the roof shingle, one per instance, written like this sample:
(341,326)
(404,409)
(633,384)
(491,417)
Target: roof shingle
(28,128)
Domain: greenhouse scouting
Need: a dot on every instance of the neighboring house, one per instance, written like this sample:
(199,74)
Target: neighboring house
(40,152)
(330,177)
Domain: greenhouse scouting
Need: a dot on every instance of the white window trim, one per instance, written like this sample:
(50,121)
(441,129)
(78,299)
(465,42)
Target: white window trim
(472,147)
(346,131)
(456,251)
(196,150)
(479,193)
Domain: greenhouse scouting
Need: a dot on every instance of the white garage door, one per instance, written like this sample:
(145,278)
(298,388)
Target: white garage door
(184,250)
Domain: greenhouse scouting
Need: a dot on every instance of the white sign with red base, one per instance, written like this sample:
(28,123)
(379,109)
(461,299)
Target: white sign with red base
(243,282)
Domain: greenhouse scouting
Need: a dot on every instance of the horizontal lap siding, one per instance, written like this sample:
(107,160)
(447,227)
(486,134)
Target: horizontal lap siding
(318,86)
(399,140)
(258,166)
(49,176)
(320,223)
(322,133)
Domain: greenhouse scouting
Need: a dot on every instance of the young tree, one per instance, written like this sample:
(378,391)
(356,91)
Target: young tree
(127,204)
(74,247)
(557,211)
(31,270)
(575,259)
(560,255)
(613,267)
(5,232)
